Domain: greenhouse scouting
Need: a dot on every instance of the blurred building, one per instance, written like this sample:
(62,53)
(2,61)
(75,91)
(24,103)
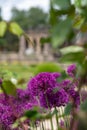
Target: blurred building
(31,51)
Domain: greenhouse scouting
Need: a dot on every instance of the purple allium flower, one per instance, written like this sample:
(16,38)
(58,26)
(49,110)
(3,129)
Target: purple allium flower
(56,75)
(65,83)
(51,99)
(6,116)
(74,96)
(70,88)
(12,108)
(42,82)
(71,70)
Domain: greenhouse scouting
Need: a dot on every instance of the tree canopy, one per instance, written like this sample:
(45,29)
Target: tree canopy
(32,18)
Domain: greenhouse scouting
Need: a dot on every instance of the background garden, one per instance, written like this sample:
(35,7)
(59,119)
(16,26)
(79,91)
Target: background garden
(49,93)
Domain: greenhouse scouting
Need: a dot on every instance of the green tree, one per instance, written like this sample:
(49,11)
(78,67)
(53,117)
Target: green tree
(32,18)
(67,19)
(37,17)
(20,16)
(0,14)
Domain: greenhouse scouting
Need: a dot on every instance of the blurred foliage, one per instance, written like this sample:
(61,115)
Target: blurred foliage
(68,19)
(13,28)
(3,27)
(9,88)
(0,14)
(48,67)
(82,115)
(16,70)
(29,19)
(68,109)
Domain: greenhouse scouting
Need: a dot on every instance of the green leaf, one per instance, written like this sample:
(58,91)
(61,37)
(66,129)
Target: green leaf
(35,115)
(21,81)
(68,109)
(84,106)
(78,21)
(72,54)
(15,29)
(31,113)
(45,40)
(78,3)
(84,27)
(60,32)
(62,3)
(3,27)
(71,49)
(48,67)
(9,87)
(77,57)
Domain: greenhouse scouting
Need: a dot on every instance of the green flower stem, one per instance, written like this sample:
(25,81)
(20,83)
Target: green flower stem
(42,126)
(51,122)
(36,127)
(57,118)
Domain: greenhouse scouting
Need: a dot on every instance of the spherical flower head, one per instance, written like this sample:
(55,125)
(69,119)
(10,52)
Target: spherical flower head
(23,101)
(71,70)
(75,97)
(65,83)
(70,89)
(23,95)
(12,108)
(56,75)
(6,116)
(51,99)
(42,82)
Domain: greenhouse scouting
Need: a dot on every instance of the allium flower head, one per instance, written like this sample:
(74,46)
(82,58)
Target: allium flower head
(42,82)
(12,108)
(51,99)
(6,116)
(71,70)
(74,95)
(70,89)
(65,83)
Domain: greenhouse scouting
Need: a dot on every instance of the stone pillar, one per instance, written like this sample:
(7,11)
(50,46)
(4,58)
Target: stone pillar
(47,52)
(31,43)
(38,49)
(30,48)
(46,49)
(22,47)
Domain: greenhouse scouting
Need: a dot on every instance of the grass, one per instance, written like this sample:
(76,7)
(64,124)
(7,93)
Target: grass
(23,72)
(17,71)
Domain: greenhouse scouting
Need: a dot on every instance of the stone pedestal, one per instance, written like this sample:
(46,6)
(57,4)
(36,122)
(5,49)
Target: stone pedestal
(22,47)
(38,49)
